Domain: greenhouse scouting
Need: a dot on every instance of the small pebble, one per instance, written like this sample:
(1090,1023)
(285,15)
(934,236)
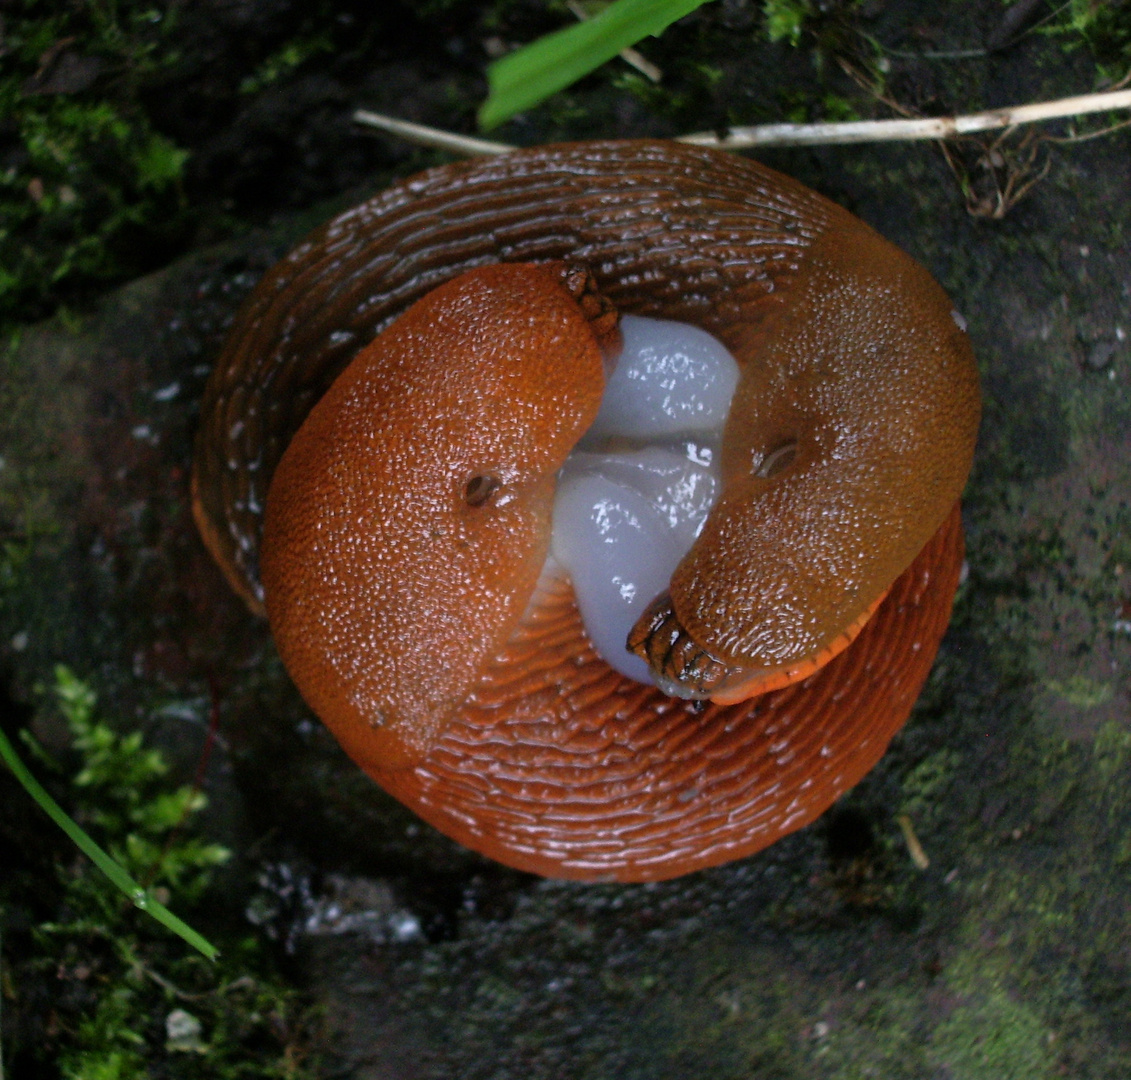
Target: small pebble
(1100,354)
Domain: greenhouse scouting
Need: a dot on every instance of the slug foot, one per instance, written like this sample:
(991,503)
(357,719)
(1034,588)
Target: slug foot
(560,766)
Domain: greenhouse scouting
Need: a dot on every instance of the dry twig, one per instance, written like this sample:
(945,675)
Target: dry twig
(994,175)
(855,131)
(423,135)
(930,127)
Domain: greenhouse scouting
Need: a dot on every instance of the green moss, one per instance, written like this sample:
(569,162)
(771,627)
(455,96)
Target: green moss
(785,19)
(286,61)
(1103,28)
(1081,691)
(1023,886)
(991,1037)
(880,1036)
(734,1030)
(121,987)
(1111,752)
(924,786)
(92,187)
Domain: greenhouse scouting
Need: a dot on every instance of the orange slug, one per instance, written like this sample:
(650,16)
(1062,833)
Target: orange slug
(387,641)
(400,393)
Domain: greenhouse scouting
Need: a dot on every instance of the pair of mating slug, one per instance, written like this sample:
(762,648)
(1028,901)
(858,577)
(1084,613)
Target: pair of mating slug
(400,393)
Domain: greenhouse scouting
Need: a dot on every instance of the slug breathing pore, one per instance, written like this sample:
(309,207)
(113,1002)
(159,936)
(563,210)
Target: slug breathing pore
(597,613)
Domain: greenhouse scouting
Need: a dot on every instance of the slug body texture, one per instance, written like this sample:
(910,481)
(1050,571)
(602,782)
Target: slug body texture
(409,518)
(482,704)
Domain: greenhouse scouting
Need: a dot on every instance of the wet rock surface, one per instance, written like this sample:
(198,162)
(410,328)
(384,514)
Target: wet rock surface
(830,955)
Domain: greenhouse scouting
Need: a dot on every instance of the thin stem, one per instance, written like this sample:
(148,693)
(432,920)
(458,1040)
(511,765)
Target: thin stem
(855,131)
(116,873)
(430,136)
(630,56)
(931,127)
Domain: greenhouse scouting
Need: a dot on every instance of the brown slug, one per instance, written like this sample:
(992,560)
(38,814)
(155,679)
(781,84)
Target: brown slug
(450,350)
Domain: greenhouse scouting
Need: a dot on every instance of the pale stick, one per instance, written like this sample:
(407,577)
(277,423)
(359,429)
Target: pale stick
(853,131)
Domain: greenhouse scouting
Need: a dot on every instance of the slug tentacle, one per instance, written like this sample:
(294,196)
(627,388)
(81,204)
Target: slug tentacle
(595,306)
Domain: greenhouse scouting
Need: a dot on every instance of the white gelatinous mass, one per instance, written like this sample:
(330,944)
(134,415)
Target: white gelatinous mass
(633,496)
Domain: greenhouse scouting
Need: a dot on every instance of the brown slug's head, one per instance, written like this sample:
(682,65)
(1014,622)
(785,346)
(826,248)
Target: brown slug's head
(408,521)
(850,437)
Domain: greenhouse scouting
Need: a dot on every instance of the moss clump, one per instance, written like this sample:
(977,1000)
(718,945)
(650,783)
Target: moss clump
(991,1037)
(100,991)
(1104,28)
(89,188)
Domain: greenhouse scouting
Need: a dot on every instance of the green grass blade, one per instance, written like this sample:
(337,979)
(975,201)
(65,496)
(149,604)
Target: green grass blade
(533,73)
(137,895)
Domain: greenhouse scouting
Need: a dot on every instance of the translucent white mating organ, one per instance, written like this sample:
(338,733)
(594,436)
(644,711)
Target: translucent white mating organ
(634,494)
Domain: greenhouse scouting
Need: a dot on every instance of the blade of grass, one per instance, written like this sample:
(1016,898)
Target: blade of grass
(538,70)
(137,895)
